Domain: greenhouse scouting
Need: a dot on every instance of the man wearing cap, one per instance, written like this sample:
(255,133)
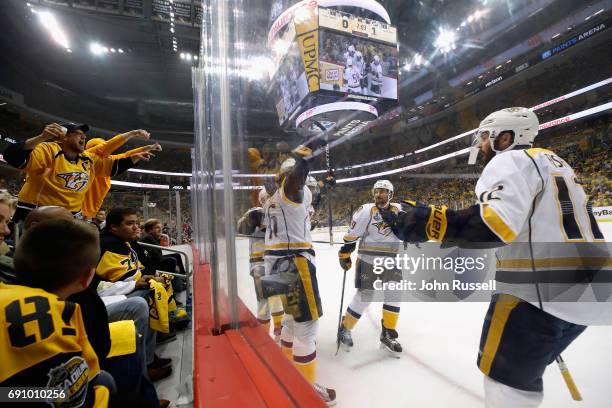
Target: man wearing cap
(59,170)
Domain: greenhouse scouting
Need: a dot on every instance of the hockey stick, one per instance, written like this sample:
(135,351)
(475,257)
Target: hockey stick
(340,315)
(329,174)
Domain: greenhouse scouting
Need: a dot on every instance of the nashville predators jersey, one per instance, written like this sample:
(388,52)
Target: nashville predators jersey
(52,179)
(533,201)
(287,224)
(118,262)
(94,197)
(100,185)
(43,343)
(374,235)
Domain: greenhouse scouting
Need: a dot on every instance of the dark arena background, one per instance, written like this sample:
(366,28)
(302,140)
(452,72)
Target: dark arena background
(226,91)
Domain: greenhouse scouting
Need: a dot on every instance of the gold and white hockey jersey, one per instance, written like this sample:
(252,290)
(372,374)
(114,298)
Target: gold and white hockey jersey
(531,199)
(43,343)
(375,236)
(288,225)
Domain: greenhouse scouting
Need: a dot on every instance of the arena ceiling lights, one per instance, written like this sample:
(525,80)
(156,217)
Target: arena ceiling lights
(100,49)
(445,41)
(49,22)
(172,28)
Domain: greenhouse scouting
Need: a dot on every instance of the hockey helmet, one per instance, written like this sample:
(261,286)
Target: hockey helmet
(376,60)
(349,62)
(385,184)
(358,55)
(285,168)
(521,122)
(351,49)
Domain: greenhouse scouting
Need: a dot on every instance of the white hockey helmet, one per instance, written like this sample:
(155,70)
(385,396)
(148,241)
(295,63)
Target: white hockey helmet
(351,49)
(358,55)
(376,59)
(521,122)
(349,62)
(262,197)
(385,184)
(285,168)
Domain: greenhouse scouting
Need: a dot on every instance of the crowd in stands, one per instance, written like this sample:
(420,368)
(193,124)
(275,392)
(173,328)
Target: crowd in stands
(101,297)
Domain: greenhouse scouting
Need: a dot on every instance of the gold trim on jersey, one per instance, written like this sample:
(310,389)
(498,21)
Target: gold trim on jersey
(573,262)
(283,245)
(385,250)
(536,150)
(497,224)
(302,266)
(284,197)
(102,396)
(350,238)
(503,307)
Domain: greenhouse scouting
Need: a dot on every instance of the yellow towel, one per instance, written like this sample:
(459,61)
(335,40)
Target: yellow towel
(123,338)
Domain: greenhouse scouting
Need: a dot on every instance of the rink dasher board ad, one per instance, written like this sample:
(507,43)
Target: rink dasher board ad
(322,56)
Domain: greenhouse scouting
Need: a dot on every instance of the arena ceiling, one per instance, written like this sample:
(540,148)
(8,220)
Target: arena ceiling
(148,85)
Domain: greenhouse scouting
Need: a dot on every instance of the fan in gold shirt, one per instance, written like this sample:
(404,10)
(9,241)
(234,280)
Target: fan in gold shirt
(58,169)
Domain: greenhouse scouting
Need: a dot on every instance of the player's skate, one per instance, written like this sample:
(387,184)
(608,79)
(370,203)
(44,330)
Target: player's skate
(327,394)
(388,341)
(344,338)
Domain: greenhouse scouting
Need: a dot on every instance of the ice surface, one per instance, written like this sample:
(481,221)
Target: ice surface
(440,341)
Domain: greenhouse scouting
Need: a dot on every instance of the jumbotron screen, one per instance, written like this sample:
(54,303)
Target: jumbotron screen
(357,55)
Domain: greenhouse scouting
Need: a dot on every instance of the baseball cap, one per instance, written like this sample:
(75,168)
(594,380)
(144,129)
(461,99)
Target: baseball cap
(72,127)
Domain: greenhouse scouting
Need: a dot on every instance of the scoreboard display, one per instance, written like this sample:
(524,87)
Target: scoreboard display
(332,67)
(357,26)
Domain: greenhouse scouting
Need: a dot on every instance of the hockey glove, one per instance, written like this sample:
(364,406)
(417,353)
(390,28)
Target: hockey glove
(327,183)
(302,151)
(344,256)
(417,222)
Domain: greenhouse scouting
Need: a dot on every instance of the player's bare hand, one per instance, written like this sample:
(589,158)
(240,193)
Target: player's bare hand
(52,131)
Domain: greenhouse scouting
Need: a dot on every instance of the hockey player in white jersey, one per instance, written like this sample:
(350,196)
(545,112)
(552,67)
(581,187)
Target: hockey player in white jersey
(360,65)
(290,267)
(376,76)
(350,54)
(252,224)
(552,256)
(376,240)
(352,77)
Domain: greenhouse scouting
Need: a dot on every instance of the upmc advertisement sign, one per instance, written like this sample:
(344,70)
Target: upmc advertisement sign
(574,40)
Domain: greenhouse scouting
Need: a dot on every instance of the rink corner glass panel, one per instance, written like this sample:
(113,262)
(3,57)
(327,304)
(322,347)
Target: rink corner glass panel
(268,80)
(397,91)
